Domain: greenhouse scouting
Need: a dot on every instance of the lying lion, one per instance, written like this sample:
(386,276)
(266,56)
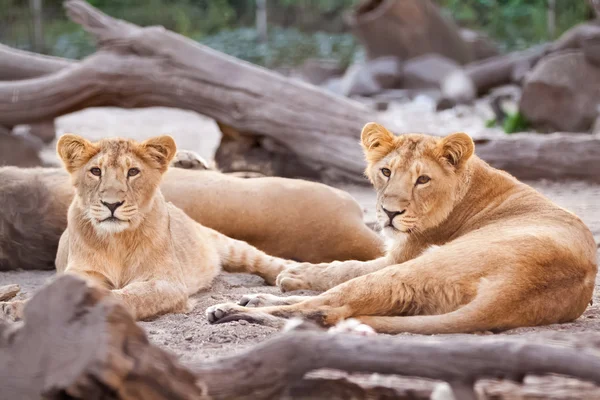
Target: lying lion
(288,218)
(123,235)
(470,249)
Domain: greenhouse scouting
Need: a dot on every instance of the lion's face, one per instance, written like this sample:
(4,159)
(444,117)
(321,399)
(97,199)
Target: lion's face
(115,179)
(418,178)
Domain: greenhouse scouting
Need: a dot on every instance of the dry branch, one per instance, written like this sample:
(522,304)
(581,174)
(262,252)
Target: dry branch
(17,64)
(87,346)
(7,292)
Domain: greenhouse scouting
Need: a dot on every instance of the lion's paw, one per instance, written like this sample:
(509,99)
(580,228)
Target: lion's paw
(353,326)
(223,312)
(263,300)
(187,159)
(295,278)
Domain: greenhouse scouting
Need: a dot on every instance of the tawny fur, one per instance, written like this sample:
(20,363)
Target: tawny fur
(146,251)
(471,249)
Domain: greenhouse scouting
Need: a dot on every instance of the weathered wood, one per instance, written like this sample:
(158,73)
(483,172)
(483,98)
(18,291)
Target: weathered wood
(7,292)
(265,370)
(18,64)
(406,29)
(138,67)
(79,342)
(504,69)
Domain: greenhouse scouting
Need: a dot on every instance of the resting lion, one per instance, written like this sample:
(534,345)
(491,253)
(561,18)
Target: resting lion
(288,218)
(123,235)
(470,249)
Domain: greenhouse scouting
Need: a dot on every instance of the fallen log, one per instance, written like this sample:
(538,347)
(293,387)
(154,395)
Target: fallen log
(278,119)
(18,64)
(140,67)
(88,346)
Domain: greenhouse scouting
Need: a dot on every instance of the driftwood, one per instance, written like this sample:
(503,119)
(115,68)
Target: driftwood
(276,120)
(138,67)
(17,64)
(407,29)
(8,292)
(79,342)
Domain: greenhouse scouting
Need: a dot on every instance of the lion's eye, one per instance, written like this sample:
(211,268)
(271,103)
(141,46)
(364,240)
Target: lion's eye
(133,172)
(423,179)
(386,172)
(96,171)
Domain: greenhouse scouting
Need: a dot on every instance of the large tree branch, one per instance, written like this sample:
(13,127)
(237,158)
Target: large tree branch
(17,64)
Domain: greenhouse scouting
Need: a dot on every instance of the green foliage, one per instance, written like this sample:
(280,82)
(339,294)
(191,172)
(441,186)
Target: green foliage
(297,27)
(285,47)
(516,24)
(513,123)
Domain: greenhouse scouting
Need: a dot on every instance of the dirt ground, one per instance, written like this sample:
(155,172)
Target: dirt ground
(190,336)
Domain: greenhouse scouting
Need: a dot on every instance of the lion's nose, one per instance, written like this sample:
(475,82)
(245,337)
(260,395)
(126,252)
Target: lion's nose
(392,214)
(112,206)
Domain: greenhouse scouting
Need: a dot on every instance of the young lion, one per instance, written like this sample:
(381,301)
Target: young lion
(471,249)
(122,235)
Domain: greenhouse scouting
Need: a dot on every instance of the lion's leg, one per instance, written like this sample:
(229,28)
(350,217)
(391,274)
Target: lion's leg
(409,288)
(152,298)
(324,276)
(239,256)
(266,300)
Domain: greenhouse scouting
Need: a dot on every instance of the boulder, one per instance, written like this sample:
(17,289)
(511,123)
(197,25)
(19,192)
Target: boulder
(562,93)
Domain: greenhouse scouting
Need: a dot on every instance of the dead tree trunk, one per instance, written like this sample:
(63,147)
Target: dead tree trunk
(278,119)
(406,29)
(79,343)
(17,64)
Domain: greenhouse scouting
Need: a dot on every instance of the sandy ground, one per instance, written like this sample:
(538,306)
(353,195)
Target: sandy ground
(190,336)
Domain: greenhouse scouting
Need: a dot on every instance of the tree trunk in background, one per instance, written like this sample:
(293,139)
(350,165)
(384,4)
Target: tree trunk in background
(406,29)
(38,30)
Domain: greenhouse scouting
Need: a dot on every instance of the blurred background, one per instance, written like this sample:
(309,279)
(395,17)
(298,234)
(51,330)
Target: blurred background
(297,29)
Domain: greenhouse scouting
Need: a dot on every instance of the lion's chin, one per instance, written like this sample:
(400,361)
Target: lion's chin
(111,226)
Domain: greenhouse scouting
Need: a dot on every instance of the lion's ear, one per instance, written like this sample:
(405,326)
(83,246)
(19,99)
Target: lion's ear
(160,150)
(457,149)
(376,141)
(75,151)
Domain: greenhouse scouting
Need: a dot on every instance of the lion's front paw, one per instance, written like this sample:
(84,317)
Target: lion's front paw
(353,326)
(297,277)
(12,310)
(262,300)
(223,312)
(187,159)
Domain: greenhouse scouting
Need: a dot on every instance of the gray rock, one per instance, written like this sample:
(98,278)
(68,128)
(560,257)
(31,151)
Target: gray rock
(562,93)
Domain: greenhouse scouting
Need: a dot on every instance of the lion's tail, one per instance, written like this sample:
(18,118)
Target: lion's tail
(239,256)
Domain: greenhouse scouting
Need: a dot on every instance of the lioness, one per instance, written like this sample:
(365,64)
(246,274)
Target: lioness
(124,236)
(470,249)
